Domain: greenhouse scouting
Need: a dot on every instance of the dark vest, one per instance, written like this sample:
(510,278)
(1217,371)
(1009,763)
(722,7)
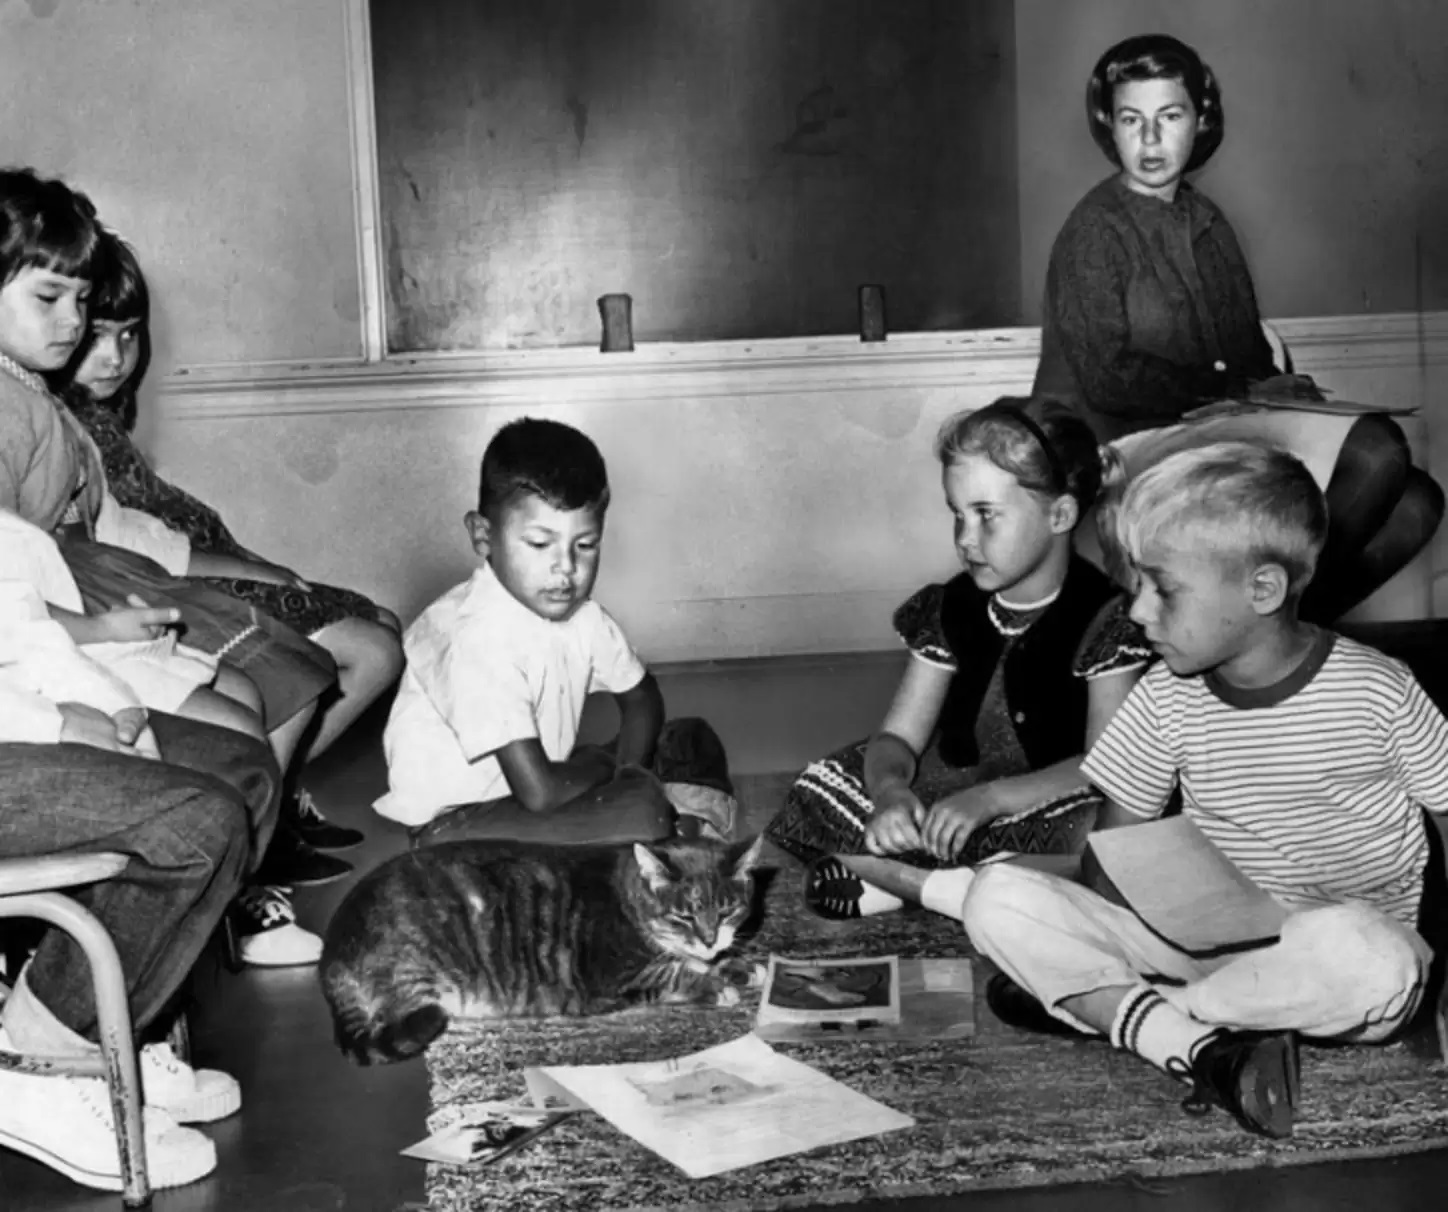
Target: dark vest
(1046,700)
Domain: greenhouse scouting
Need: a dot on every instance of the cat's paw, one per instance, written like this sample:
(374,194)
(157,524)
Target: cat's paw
(747,974)
(728,995)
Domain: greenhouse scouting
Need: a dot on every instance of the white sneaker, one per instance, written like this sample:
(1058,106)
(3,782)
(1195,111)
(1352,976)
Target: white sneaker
(267,931)
(65,1123)
(187,1095)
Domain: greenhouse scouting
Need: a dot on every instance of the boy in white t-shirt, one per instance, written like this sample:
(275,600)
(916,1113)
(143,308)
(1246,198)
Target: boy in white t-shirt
(481,739)
(1308,759)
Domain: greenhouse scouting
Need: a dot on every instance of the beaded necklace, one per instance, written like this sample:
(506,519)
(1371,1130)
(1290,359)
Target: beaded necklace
(13,368)
(1015,618)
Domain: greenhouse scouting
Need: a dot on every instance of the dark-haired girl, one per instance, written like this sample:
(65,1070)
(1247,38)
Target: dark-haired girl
(361,636)
(1151,315)
(1015,665)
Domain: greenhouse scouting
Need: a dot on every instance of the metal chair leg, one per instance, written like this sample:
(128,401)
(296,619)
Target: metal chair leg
(117,1041)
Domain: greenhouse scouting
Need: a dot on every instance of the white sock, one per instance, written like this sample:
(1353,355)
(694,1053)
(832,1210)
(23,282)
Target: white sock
(1147,1024)
(34,1030)
(875,900)
(944,891)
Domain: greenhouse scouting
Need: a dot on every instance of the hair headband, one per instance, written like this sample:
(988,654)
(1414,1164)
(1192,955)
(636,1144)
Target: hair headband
(1053,460)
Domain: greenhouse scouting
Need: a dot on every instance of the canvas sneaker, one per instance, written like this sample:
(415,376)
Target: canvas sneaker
(267,932)
(65,1123)
(187,1095)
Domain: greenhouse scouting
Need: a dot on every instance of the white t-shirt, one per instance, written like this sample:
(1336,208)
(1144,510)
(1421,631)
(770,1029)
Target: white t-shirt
(1314,787)
(483,671)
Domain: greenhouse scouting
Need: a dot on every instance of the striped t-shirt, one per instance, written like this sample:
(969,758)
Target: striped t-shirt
(1313,787)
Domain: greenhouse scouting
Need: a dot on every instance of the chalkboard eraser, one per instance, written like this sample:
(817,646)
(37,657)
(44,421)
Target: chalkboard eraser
(617,313)
(872,313)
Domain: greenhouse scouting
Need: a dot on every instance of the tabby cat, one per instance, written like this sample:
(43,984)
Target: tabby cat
(504,929)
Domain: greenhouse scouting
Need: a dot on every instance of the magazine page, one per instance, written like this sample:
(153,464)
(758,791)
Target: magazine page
(487,1132)
(854,991)
(730,1106)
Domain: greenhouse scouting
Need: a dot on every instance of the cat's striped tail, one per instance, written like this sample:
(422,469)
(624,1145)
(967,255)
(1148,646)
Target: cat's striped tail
(381,1030)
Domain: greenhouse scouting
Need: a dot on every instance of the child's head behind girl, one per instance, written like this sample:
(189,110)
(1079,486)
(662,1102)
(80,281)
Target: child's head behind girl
(1019,475)
(542,495)
(49,242)
(114,356)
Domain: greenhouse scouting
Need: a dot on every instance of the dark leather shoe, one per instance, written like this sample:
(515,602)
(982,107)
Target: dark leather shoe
(306,819)
(1252,1076)
(292,863)
(1017,1008)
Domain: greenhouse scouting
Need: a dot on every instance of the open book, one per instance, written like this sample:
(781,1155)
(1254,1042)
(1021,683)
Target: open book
(1181,886)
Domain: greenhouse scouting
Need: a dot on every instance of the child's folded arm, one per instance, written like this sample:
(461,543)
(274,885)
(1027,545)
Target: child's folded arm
(540,784)
(640,720)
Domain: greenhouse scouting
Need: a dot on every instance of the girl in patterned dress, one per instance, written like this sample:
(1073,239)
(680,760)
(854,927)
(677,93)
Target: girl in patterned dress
(361,636)
(1015,665)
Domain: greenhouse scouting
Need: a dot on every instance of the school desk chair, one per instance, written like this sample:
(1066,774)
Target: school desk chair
(32,888)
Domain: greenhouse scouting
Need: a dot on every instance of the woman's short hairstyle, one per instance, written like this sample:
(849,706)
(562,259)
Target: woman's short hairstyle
(1155,57)
(44,224)
(1246,503)
(1048,447)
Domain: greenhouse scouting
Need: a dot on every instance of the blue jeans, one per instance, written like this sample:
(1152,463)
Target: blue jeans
(193,824)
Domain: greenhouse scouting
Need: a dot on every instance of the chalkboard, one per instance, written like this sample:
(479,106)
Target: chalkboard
(739,167)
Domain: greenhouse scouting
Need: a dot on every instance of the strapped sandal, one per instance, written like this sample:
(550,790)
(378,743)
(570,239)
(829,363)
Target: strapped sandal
(832,890)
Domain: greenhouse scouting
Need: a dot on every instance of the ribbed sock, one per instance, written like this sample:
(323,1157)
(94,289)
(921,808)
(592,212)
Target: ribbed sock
(944,891)
(875,900)
(1147,1024)
(34,1030)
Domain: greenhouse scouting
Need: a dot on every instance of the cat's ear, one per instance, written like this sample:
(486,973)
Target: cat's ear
(746,856)
(653,867)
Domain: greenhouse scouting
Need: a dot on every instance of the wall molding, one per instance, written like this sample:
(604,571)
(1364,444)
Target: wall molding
(1004,358)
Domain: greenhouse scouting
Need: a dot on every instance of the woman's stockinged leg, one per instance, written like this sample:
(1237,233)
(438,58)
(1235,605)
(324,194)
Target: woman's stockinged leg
(369,660)
(1382,511)
(1341,584)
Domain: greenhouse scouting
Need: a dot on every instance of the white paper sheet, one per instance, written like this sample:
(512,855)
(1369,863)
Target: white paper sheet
(731,1106)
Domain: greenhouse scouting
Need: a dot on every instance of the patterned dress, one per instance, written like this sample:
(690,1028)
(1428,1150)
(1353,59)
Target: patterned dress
(135,484)
(827,809)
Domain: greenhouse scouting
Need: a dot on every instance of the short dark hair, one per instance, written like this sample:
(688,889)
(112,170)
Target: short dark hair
(44,224)
(546,458)
(1155,57)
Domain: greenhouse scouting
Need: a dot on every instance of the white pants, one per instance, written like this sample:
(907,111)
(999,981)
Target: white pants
(1342,972)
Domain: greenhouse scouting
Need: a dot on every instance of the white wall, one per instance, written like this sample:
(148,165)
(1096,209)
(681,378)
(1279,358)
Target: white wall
(773,497)
(214,136)
(779,498)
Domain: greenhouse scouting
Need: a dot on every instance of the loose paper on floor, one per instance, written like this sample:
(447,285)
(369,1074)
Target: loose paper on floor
(486,1132)
(734,1105)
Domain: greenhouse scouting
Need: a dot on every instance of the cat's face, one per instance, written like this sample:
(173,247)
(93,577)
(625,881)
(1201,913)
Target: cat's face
(696,894)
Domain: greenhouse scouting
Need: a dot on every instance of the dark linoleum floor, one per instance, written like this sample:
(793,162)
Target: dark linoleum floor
(317,1134)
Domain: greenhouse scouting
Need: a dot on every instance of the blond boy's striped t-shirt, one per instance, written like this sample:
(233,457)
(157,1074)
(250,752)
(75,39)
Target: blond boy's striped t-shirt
(1313,787)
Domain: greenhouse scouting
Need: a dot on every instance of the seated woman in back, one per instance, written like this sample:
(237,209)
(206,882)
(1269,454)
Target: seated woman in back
(103,381)
(1150,315)
(1015,666)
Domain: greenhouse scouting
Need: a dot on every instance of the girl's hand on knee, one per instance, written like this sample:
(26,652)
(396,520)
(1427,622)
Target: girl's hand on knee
(950,822)
(136,622)
(896,828)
